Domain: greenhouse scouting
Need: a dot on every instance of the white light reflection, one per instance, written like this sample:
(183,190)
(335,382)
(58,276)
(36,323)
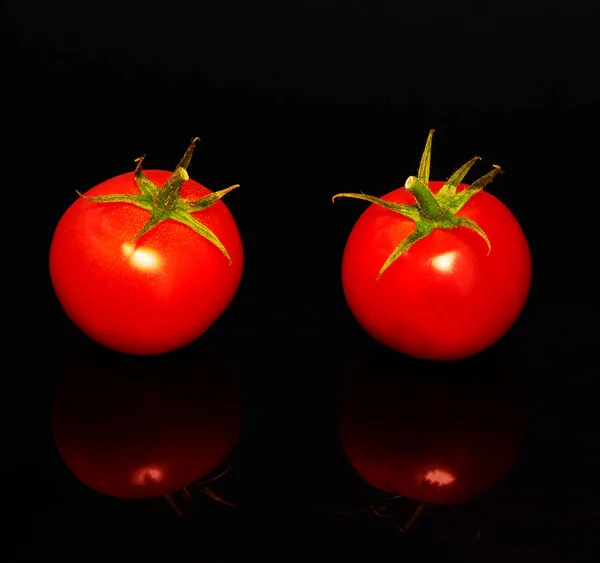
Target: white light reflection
(141,258)
(439,477)
(147,475)
(444,262)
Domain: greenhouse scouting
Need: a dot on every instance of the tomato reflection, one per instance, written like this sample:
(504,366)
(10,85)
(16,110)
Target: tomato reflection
(135,427)
(433,440)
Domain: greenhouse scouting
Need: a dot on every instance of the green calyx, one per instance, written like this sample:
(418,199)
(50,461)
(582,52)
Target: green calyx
(433,211)
(166,203)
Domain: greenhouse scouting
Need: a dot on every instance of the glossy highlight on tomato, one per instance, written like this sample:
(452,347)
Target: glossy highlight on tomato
(437,270)
(132,427)
(429,439)
(145,262)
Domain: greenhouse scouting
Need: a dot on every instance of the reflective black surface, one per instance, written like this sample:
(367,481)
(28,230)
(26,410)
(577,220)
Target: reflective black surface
(296,106)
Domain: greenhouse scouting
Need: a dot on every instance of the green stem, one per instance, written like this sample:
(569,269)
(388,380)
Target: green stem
(432,211)
(166,202)
(430,208)
(172,188)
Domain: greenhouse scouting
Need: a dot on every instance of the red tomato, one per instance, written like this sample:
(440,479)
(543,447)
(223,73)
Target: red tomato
(161,290)
(430,440)
(448,295)
(140,427)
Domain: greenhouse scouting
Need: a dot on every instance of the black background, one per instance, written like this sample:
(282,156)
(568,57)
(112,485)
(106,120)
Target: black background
(296,102)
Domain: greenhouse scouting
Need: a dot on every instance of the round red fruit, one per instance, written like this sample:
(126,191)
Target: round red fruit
(437,270)
(145,262)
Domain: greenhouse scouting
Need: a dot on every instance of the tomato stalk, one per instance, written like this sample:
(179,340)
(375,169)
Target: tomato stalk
(405,513)
(181,500)
(166,202)
(471,510)
(202,485)
(409,513)
(407,523)
(432,211)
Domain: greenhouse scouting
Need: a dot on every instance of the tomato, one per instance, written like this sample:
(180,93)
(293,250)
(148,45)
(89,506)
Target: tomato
(146,261)
(436,270)
(430,439)
(134,427)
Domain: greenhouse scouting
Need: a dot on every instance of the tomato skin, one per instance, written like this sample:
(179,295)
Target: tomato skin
(141,430)
(445,298)
(164,295)
(430,440)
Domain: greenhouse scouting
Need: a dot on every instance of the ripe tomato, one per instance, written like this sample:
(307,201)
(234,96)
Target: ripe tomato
(144,427)
(432,440)
(436,270)
(145,262)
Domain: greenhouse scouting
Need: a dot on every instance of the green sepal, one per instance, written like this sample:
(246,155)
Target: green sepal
(167,203)
(168,196)
(153,222)
(186,219)
(145,186)
(186,159)
(422,229)
(409,211)
(207,200)
(470,224)
(458,201)
(433,211)
(449,188)
(425,163)
(139,200)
